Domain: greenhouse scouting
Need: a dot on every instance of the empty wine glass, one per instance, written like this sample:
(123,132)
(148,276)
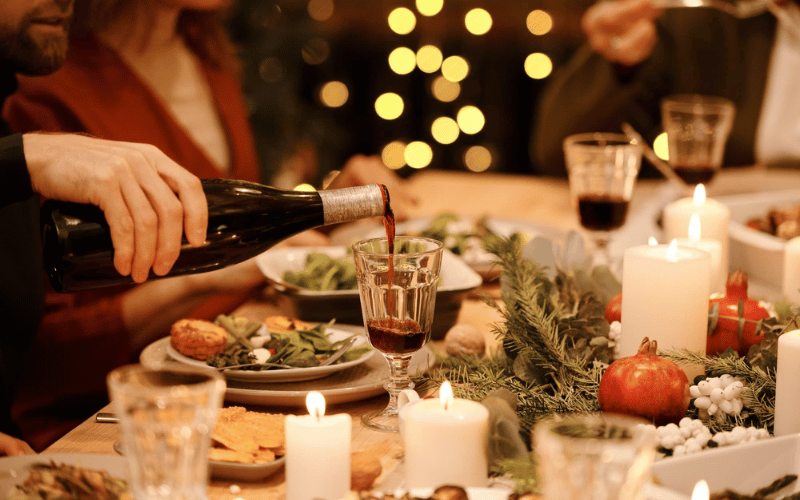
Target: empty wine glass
(602,169)
(398,295)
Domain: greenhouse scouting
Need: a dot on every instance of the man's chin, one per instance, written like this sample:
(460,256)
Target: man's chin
(43,54)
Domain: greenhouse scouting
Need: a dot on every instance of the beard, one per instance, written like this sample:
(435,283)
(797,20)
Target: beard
(31,52)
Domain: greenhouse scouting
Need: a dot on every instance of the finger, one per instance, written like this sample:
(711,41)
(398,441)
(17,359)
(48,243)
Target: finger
(610,18)
(11,446)
(636,45)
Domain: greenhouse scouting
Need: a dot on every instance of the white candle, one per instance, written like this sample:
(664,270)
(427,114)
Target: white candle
(446,442)
(791,271)
(787,384)
(714,219)
(714,248)
(665,292)
(701,491)
(317,453)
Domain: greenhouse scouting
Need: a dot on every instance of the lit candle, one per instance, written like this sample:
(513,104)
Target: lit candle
(446,442)
(665,292)
(713,247)
(714,219)
(701,491)
(791,270)
(317,453)
(787,384)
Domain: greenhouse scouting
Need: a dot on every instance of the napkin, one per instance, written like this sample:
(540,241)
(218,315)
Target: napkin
(504,430)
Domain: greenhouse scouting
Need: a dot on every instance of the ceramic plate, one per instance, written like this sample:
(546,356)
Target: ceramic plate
(14,470)
(282,374)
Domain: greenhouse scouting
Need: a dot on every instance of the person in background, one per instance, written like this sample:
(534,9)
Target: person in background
(637,54)
(149,201)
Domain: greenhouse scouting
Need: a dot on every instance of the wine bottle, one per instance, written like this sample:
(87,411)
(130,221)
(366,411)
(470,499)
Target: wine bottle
(244,219)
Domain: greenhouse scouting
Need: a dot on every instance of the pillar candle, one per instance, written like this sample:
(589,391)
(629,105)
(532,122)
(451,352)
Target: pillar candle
(787,384)
(665,292)
(446,442)
(718,274)
(714,220)
(791,270)
(317,453)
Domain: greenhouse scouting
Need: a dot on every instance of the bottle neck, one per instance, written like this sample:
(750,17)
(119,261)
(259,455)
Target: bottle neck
(349,204)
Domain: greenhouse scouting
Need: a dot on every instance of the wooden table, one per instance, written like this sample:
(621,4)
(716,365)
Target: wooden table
(537,200)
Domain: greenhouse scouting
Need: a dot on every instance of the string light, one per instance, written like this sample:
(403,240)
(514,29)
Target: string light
(402,21)
(304,187)
(539,22)
(316,51)
(389,106)
(429,7)
(418,154)
(477,158)
(538,66)
(429,59)
(334,94)
(445,90)
(445,130)
(393,155)
(271,70)
(661,146)
(320,10)
(455,68)
(402,60)
(470,120)
(478,21)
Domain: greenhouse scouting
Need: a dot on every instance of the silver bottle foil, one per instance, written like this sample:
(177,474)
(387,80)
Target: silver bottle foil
(349,204)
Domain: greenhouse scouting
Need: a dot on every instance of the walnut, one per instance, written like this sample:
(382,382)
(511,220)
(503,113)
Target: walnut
(364,470)
(464,340)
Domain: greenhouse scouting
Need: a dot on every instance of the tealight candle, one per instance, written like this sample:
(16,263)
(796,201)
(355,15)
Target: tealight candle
(713,247)
(787,384)
(701,491)
(317,453)
(665,292)
(446,442)
(791,270)
(714,219)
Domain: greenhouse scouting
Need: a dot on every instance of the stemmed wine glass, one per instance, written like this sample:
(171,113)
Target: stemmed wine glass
(602,169)
(398,293)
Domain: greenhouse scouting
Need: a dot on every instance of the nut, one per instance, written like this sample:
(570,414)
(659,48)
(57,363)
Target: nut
(464,340)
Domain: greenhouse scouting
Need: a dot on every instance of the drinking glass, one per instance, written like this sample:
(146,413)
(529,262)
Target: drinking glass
(398,295)
(594,456)
(166,416)
(697,128)
(602,170)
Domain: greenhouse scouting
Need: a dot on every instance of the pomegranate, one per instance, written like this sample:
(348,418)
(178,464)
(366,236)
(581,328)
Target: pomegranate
(614,309)
(727,332)
(645,385)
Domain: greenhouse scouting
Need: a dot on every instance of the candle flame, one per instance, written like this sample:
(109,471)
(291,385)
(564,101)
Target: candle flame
(694,227)
(699,195)
(446,395)
(652,241)
(701,491)
(672,251)
(315,402)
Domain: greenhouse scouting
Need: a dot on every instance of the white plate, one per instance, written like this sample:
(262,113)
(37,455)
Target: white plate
(282,374)
(473,493)
(14,470)
(354,384)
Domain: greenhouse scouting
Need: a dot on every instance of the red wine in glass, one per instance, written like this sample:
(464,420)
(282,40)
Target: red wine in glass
(393,336)
(602,212)
(695,174)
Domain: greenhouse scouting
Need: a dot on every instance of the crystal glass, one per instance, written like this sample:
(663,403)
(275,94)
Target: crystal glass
(602,169)
(594,456)
(398,295)
(166,417)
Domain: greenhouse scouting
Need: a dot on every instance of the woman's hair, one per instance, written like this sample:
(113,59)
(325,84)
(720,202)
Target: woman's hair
(202,30)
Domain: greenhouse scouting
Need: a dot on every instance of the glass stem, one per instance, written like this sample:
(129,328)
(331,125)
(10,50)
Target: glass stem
(398,381)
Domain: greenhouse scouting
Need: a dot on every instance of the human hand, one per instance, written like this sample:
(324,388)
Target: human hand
(622,31)
(9,445)
(148,200)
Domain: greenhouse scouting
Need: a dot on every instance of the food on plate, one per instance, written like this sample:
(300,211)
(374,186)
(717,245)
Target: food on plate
(67,481)
(783,222)
(283,324)
(323,273)
(197,338)
(464,340)
(247,437)
(645,385)
(444,492)
(768,491)
(731,307)
(364,470)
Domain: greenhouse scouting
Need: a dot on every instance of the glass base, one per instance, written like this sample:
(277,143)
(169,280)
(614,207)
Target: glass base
(381,420)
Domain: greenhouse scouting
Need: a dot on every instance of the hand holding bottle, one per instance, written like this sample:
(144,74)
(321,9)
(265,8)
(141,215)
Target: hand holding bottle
(622,31)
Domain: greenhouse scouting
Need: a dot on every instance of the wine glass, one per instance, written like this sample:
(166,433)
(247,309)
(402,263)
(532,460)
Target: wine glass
(398,294)
(602,169)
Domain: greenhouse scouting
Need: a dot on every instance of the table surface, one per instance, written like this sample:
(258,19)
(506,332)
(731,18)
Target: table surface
(533,199)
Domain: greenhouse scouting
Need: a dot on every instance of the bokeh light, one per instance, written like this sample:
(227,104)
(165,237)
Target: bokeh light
(402,60)
(429,7)
(271,70)
(660,146)
(455,68)
(334,94)
(304,187)
(320,10)
(402,21)
(389,106)
(478,21)
(316,51)
(418,154)
(477,158)
(393,155)
(538,66)
(445,130)
(429,59)
(445,90)
(470,120)
(539,22)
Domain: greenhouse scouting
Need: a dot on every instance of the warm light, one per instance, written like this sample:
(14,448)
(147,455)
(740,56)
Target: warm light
(661,147)
(445,90)
(672,251)
(701,491)
(402,60)
(429,59)
(389,106)
(334,94)
(445,130)
(316,51)
(271,70)
(315,402)
(402,21)
(478,21)
(652,241)
(418,154)
(694,227)
(699,198)
(429,7)
(538,66)
(455,68)
(446,396)
(470,120)
(477,158)
(539,22)
(393,155)
(320,10)
(304,187)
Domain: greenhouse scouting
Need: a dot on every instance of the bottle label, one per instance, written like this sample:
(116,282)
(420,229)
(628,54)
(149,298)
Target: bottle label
(349,204)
